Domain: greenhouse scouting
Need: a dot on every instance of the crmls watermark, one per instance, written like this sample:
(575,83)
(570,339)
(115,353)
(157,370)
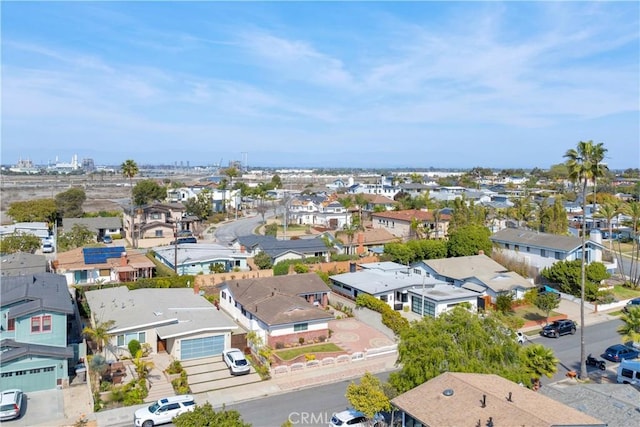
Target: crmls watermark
(310,418)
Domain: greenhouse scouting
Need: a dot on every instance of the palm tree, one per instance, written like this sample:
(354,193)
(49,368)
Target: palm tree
(231,173)
(142,366)
(608,211)
(130,169)
(346,202)
(360,200)
(100,333)
(599,169)
(632,209)
(582,165)
(630,329)
(539,360)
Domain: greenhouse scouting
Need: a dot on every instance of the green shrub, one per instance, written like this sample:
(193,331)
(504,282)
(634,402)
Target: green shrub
(175,367)
(181,385)
(134,347)
(301,268)
(390,318)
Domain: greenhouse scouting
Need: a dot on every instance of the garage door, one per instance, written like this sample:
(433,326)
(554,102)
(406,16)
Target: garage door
(202,347)
(30,379)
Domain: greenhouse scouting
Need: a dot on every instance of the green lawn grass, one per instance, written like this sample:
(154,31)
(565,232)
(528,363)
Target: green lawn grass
(622,292)
(292,353)
(531,312)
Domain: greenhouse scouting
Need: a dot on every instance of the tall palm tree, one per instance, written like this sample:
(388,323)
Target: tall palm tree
(100,333)
(129,169)
(599,170)
(582,165)
(608,211)
(347,203)
(632,209)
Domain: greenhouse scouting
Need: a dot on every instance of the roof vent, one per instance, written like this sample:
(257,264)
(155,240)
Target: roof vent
(448,392)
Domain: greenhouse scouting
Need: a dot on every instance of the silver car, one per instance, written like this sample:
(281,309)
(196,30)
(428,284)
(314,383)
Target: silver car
(235,360)
(10,404)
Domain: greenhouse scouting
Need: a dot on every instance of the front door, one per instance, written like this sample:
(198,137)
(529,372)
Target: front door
(162,345)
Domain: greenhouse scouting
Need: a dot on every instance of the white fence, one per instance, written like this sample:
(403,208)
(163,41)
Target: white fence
(333,361)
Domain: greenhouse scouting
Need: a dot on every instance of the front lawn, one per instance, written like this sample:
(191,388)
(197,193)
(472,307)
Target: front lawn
(292,353)
(623,292)
(532,313)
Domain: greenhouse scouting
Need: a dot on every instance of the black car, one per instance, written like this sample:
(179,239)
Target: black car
(559,327)
(632,303)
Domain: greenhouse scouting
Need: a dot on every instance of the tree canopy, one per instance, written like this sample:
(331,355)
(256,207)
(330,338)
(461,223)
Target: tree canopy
(200,205)
(457,341)
(147,191)
(369,396)
(77,237)
(567,275)
(69,203)
(206,416)
(19,242)
(469,240)
(39,210)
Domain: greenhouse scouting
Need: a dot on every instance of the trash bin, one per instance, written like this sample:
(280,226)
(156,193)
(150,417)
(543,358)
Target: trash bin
(81,373)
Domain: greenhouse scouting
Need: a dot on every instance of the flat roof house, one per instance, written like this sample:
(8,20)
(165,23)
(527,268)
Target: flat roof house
(172,320)
(477,273)
(468,399)
(200,258)
(400,286)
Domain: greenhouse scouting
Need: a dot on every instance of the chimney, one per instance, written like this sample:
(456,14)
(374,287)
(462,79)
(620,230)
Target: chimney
(360,249)
(352,267)
(123,259)
(242,249)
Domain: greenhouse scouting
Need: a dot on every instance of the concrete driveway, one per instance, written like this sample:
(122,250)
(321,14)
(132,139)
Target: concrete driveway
(41,408)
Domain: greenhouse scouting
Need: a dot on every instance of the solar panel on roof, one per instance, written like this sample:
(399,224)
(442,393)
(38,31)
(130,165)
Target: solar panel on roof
(101,255)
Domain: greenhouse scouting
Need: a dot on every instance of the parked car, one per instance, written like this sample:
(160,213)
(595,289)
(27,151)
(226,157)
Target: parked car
(618,352)
(47,248)
(559,327)
(548,290)
(185,240)
(163,410)
(10,404)
(107,240)
(353,418)
(521,337)
(631,303)
(236,362)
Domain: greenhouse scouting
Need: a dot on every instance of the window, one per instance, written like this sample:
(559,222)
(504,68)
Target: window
(105,272)
(627,373)
(158,233)
(46,323)
(543,253)
(124,340)
(506,245)
(35,324)
(156,216)
(224,295)
(516,247)
(11,324)
(384,298)
(528,249)
(558,255)
(300,327)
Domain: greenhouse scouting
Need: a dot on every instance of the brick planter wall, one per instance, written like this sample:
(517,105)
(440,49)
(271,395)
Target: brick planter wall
(303,359)
(542,322)
(294,339)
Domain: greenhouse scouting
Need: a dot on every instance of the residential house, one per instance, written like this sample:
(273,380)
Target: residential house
(100,226)
(412,223)
(38,229)
(415,189)
(281,309)
(322,211)
(157,220)
(615,404)
(378,202)
(469,399)
(35,314)
(477,273)
(369,240)
(199,258)
(400,287)
(85,266)
(22,264)
(383,186)
(178,321)
(541,250)
(280,250)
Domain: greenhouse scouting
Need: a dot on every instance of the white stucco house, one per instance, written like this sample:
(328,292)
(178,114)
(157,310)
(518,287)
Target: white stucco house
(172,320)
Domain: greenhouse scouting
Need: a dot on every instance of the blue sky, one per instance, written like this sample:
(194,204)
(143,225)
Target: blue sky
(342,84)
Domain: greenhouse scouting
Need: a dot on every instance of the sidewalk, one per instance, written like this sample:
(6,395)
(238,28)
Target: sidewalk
(281,383)
(76,401)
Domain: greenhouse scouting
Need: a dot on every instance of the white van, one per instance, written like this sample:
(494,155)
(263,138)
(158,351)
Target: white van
(629,372)
(163,411)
